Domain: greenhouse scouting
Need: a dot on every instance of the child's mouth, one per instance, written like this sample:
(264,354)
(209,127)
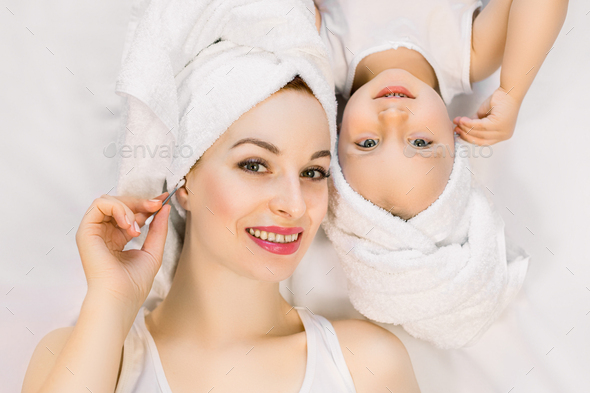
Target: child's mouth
(394,91)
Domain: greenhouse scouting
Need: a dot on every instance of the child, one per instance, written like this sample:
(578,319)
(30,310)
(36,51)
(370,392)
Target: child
(399,64)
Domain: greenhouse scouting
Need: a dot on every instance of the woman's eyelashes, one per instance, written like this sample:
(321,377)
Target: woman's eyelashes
(253,166)
(318,169)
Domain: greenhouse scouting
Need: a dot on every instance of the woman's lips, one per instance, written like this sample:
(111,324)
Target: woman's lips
(279,230)
(395,89)
(277,248)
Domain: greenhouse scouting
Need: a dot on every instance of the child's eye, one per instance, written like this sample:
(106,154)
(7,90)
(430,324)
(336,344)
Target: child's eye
(253,165)
(368,143)
(420,142)
(318,169)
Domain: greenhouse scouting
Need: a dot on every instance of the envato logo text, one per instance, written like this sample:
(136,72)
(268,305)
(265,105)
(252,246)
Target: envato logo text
(147,151)
(441,150)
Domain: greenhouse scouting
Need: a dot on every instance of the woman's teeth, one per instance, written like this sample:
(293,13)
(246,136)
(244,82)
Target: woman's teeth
(273,237)
(395,95)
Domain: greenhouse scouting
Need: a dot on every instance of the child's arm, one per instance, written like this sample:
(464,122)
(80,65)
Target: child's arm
(318,18)
(533,26)
(488,39)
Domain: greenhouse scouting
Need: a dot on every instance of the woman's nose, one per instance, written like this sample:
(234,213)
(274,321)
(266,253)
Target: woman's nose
(288,202)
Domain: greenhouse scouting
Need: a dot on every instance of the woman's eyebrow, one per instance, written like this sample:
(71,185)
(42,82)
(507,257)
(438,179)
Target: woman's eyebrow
(275,150)
(265,145)
(321,153)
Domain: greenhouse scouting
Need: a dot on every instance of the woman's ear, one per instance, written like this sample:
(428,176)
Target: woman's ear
(183,197)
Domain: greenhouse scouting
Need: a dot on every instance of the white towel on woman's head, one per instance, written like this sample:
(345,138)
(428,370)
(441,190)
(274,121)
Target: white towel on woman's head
(192,68)
(444,275)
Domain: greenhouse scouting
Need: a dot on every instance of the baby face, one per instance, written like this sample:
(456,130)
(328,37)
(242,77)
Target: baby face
(397,152)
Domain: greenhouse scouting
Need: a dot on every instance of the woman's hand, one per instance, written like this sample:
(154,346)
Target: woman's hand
(108,225)
(495,122)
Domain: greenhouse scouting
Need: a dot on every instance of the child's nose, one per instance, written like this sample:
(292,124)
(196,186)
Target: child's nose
(395,115)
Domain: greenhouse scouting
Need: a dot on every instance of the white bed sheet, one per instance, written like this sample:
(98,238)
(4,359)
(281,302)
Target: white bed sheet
(59,111)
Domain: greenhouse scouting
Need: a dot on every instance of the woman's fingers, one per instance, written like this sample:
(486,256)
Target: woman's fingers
(123,215)
(156,237)
(141,205)
(152,206)
(129,213)
(139,209)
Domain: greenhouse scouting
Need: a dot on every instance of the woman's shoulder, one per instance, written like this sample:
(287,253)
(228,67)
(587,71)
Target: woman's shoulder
(375,357)
(360,332)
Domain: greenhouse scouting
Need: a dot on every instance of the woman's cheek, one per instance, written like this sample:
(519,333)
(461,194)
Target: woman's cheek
(317,204)
(221,199)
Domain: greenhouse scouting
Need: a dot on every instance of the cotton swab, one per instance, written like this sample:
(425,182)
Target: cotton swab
(151,218)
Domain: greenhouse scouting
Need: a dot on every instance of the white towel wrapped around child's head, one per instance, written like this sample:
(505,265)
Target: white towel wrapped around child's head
(444,275)
(192,68)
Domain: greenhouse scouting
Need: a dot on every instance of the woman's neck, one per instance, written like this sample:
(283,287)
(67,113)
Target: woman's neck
(210,303)
(404,58)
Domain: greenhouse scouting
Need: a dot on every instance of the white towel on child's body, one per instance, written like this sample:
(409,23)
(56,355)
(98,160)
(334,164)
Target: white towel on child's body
(192,68)
(444,275)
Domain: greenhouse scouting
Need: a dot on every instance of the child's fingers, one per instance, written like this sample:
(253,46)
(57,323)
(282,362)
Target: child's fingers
(485,108)
(472,128)
(477,124)
(475,140)
(482,134)
(484,137)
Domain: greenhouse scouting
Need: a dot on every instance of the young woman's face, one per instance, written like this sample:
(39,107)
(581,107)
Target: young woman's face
(267,170)
(396,151)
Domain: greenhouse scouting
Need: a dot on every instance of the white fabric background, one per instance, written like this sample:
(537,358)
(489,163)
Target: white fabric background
(59,111)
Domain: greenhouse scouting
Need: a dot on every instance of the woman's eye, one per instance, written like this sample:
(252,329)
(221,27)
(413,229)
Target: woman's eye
(368,143)
(312,171)
(420,142)
(253,166)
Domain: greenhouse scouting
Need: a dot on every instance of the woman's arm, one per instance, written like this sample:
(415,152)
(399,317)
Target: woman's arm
(86,356)
(377,360)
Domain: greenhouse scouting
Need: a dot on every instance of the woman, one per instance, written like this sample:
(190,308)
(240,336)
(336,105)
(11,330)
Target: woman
(224,324)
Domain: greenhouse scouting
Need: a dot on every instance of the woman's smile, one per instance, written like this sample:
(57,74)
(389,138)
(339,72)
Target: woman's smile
(277,240)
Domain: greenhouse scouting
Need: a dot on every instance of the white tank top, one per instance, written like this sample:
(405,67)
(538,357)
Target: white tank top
(326,369)
(440,30)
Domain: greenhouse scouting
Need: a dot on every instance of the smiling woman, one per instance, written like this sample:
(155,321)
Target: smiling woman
(224,303)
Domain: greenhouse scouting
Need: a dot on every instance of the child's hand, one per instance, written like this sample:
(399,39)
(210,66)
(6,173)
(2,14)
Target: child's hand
(495,122)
